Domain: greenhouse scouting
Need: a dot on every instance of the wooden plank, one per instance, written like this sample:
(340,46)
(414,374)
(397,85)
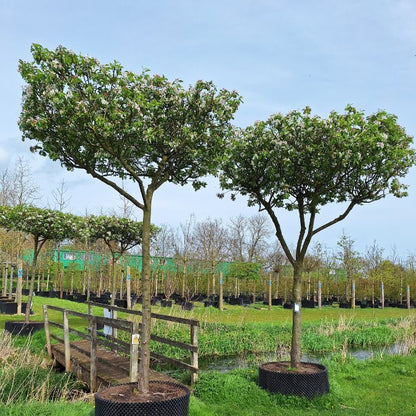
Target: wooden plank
(174,343)
(107,375)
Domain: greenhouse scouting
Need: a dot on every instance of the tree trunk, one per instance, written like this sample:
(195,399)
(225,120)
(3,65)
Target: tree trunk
(32,279)
(146,305)
(113,280)
(296,322)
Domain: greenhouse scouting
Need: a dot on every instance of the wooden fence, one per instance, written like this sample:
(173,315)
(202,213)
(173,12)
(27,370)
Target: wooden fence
(113,342)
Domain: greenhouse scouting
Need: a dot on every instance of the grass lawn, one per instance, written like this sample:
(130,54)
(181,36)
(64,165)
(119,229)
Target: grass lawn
(381,387)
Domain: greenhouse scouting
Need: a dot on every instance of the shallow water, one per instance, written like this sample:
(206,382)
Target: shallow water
(232,362)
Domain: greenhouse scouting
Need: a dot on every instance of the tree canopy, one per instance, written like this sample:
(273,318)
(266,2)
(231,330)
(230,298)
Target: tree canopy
(302,162)
(116,123)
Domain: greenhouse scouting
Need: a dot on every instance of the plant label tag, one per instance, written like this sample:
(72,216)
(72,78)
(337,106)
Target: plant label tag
(296,308)
(135,339)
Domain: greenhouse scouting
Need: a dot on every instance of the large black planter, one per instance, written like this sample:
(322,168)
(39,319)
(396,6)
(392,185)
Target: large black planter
(8,308)
(294,383)
(124,406)
(22,328)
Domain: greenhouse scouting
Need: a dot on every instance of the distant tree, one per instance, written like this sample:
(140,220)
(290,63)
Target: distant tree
(60,203)
(119,234)
(17,186)
(119,124)
(276,261)
(211,243)
(372,260)
(301,163)
(312,263)
(349,260)
(184,250)
(163,248)
(248,238)
(42,225)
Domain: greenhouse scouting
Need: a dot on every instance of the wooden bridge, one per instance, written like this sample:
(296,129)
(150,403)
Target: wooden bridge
(104,359)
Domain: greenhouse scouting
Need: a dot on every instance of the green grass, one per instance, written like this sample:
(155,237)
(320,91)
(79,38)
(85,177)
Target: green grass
(381,386)
(375,387)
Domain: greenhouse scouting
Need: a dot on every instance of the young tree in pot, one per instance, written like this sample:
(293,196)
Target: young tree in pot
(118,124)
(299,162)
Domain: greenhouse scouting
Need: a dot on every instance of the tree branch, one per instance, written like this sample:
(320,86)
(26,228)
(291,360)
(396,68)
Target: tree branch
(338,219)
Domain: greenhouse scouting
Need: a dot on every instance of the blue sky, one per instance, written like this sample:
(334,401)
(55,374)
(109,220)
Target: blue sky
(279,55)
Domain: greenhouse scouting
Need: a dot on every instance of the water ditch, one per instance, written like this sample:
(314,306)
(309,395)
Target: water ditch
(227,363)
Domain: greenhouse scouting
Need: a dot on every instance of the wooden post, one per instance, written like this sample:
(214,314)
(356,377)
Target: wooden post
(382,295)
(134,352)
(5,272)
(114,330)
(11,283)
(319,295)
(408,297)
(128,287)
(89,309)
(67,346)
(221,302)
(353,294)
(19,288)
(93,354)
(270,291)
(194,354)
(47,331)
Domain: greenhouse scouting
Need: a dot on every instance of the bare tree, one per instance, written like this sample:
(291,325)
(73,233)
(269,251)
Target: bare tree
(25,190)
(61,201)
(185,250)
(238,234)
(17,187)
(163,247)
(258,233)
(211,241)
(248,238)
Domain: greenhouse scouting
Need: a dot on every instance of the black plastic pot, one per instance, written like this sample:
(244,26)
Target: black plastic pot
(22,328)
(187,306)
(176,406)
(166,303)
(8,308)
(293,383)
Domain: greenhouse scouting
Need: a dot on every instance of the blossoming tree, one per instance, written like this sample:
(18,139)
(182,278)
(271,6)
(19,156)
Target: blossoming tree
(119,234)
(116,124)
(299,162)
(42,225)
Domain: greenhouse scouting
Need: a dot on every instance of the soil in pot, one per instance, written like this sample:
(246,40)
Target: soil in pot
(164,398)
(309,380)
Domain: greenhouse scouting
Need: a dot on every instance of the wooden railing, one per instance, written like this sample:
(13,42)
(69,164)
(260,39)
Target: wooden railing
(131,326)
